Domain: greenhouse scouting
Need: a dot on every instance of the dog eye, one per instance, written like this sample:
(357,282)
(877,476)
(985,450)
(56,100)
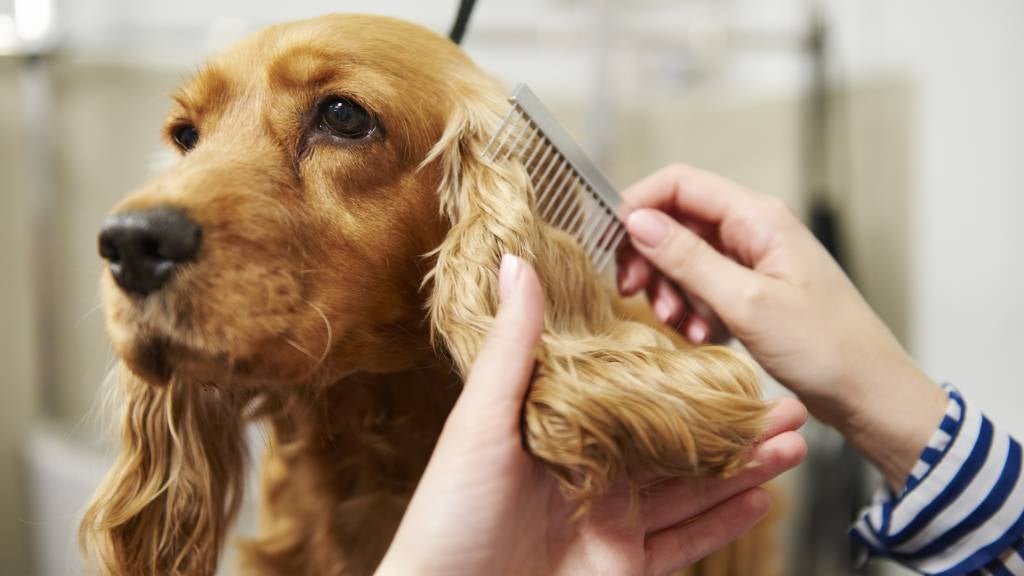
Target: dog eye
(345,119)
(185,136)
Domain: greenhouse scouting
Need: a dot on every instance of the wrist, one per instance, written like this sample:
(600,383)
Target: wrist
(891,412)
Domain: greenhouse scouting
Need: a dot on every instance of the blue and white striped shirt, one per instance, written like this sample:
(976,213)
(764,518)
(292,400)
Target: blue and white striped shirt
(962,508)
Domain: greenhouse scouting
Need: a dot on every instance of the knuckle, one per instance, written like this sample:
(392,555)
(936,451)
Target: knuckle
(753,299)
(686,541)
(683,253)
(777,209)
(759,500)
(677,168)
(682,174)
(754,294)
(794,452)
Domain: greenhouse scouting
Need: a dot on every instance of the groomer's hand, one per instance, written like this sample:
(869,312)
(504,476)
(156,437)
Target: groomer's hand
(722,254)
(484,506)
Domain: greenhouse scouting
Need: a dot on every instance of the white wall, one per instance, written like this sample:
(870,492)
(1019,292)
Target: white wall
(967,280)
(18,334)
(966,249)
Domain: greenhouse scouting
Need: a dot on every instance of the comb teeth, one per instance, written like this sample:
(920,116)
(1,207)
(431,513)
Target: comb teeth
(570,193)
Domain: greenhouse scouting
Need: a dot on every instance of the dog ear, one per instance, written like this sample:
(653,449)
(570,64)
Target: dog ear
(612,399)
(176,486)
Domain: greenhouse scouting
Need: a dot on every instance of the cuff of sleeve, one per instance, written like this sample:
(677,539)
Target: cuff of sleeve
(962,505)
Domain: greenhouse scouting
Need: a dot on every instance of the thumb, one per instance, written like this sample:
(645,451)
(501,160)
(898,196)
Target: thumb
(687,259)
(502,369)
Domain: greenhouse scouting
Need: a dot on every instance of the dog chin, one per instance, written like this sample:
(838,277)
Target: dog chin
(160,361)
(151,361)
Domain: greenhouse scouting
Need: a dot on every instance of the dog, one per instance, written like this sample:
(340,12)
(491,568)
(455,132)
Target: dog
(323,260)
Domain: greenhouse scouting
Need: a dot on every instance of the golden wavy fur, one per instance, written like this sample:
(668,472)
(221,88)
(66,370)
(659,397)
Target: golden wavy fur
(337,284)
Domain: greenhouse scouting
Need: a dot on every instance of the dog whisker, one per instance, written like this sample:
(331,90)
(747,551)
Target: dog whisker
(105,401)
(298,347)
(330,334)
(87,314)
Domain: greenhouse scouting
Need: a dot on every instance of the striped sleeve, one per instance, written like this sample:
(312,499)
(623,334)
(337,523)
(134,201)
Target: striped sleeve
(962,508)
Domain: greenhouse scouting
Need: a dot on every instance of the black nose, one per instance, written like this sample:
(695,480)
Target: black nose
(145,248)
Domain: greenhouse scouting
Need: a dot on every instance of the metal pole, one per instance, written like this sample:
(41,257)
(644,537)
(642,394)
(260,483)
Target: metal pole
(32,46)
(599,107)
(36,94)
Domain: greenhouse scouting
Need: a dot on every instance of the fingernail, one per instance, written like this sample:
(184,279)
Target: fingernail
(647,227)
(697,333)
(508,275)
(623,278)
(626,279)
(663,311)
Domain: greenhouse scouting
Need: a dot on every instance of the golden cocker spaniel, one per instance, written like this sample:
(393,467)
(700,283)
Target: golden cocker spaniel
(323,259)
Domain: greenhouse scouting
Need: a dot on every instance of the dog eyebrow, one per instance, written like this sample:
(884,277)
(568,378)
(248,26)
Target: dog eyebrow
(209,91)
(301,67)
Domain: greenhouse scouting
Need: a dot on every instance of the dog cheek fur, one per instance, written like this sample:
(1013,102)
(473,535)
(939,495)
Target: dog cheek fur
(613,400)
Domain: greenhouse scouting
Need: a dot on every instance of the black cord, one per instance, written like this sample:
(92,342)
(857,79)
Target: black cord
(461,20)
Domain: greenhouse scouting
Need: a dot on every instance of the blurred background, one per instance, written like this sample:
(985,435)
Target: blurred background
(894,127)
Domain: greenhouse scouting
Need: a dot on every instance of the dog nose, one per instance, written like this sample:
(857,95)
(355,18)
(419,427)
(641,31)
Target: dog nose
(145,248)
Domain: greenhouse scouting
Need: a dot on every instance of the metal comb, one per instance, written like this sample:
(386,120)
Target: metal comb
(571,194)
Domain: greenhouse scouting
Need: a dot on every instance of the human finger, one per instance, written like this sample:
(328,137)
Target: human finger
(684,544)
(669,502)
(690,261)
(786,415)
(674,502)
(668,303)
(702,325)
(502,370)
(689,190)
(634,272)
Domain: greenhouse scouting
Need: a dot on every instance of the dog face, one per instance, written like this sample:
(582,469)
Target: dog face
(287,243)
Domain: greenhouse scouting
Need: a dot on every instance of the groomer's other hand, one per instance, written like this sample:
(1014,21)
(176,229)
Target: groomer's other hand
(742,258)
(485,506)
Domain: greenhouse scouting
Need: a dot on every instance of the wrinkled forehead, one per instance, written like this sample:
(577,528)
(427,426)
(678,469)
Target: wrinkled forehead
(382,63)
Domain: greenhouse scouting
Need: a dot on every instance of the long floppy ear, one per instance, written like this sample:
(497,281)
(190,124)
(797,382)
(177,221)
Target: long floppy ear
(165,506)
(612,399)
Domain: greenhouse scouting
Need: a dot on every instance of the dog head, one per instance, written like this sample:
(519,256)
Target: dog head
(286,247)
(287,244)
